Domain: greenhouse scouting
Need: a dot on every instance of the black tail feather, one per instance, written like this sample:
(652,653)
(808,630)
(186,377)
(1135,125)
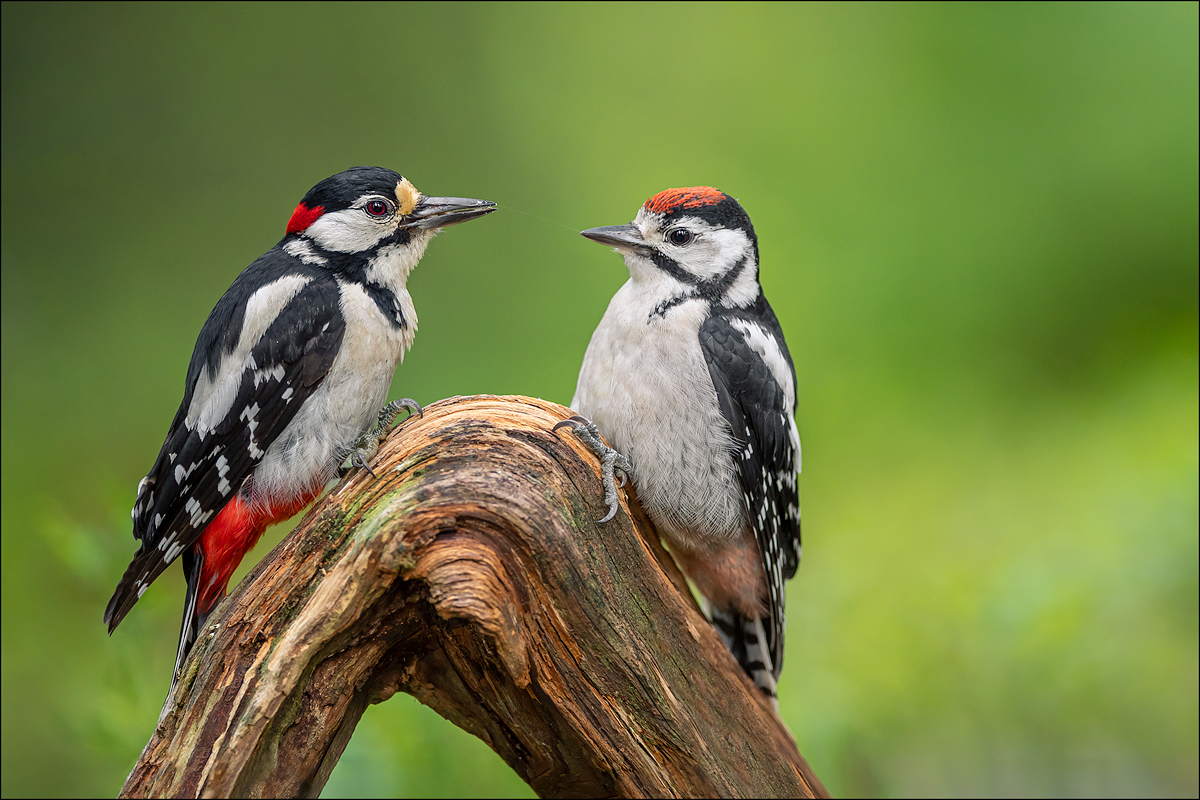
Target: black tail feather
(746,639)
(193,562)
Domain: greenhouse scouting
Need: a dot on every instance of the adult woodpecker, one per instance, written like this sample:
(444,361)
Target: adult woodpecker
(288,374)
(689,378)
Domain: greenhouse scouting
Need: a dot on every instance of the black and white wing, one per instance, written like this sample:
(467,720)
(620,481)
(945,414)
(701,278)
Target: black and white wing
(755,381)
(259,357)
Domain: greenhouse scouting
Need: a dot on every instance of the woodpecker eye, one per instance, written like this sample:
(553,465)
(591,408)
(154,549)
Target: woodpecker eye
(377,208)
(679,236)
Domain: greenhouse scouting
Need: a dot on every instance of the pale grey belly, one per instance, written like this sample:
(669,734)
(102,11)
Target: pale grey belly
(661,411)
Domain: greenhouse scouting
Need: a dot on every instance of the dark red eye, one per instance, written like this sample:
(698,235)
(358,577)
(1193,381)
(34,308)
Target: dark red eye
(377,208)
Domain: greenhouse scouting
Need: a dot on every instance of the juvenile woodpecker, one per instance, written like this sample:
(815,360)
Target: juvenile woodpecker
(288,375)
(689,378)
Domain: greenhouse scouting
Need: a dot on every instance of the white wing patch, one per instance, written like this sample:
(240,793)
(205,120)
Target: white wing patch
(768,350)
(214,394)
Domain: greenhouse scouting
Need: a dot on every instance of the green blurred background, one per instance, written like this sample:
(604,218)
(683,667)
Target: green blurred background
(978,228)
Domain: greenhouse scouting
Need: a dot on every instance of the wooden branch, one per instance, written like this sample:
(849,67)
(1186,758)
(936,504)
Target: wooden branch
(471,575)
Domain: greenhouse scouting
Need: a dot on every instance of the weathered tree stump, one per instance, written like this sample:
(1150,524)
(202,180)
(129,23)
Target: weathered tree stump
(471,575)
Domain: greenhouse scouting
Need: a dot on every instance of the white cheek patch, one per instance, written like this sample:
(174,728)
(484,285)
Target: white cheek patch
(712,253)
(348,231)
(728,247)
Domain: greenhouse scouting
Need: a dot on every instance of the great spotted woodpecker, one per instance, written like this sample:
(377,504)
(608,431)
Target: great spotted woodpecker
(689,378)
(288,374)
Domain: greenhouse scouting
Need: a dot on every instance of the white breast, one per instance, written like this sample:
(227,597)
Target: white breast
(645,384)
(345,405)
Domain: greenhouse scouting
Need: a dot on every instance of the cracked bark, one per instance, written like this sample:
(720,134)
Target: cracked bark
(471,575)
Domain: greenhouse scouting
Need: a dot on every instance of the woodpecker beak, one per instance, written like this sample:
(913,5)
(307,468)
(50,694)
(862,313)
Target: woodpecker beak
(438,212)
(622,237)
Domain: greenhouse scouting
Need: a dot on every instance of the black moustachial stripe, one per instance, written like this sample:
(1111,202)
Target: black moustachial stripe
(712,289)
(353,267)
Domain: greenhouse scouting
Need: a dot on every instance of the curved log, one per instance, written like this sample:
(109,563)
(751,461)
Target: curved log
(471,575)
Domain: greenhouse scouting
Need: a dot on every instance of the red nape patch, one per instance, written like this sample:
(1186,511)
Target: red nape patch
(303,216)
(670,200)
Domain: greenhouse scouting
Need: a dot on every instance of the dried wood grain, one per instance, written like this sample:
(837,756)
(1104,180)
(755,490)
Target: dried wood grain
(471,575)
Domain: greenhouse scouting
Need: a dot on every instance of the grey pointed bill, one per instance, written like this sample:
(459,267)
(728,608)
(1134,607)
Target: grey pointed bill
(438,212)
(622,237)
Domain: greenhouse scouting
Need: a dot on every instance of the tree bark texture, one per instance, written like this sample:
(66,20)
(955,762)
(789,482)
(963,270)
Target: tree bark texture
(470,574)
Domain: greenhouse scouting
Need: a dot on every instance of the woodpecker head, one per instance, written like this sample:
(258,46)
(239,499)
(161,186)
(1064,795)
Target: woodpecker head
(372,211)
(699,238)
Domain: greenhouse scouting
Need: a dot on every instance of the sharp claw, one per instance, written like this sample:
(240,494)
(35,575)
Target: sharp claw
(409,405)
(610,461)
(357,459)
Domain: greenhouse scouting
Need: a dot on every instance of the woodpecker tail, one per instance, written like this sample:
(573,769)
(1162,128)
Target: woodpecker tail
(193,567)
(209,564)
(747,640)
(133,583)
(206,587)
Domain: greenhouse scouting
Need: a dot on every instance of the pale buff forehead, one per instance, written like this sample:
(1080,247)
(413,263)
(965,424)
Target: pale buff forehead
(407,197)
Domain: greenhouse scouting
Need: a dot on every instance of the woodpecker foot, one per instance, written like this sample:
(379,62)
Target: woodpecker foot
(611,461)
(368,444)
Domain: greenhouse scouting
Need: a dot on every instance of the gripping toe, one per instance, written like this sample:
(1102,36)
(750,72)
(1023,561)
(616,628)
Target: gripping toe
(586,431)
(368,444)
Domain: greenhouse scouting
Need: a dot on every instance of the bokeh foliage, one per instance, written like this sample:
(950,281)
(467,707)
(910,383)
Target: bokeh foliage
(979,231)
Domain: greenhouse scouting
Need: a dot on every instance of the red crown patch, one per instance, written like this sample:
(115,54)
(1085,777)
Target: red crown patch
(670,200)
